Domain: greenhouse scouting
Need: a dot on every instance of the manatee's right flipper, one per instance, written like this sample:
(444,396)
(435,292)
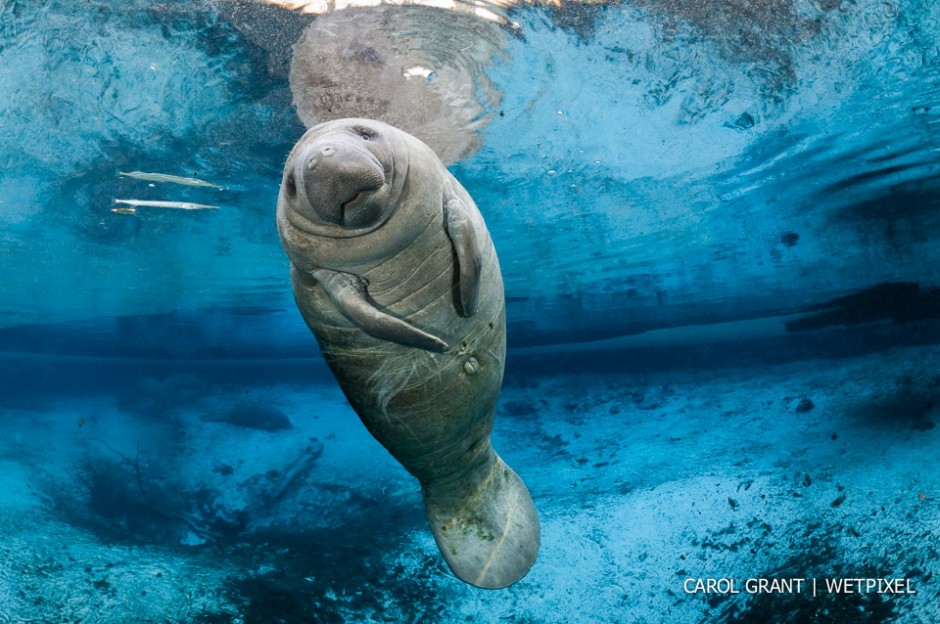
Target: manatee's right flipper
(348,294)
(488,531)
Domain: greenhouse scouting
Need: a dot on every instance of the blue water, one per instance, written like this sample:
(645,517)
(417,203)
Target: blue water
(717,226)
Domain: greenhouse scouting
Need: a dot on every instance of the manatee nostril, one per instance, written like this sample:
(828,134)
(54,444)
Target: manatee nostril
(290,186)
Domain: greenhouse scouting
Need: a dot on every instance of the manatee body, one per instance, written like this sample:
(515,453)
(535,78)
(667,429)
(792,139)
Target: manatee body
(396,276)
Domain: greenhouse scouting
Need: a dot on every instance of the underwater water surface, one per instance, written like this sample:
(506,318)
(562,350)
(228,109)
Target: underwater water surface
(717,224)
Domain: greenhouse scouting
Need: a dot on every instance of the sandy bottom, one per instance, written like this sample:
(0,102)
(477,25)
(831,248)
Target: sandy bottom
(143,507)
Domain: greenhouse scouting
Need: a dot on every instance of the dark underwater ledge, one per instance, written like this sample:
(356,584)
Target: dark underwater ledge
(60,361)
(876,317)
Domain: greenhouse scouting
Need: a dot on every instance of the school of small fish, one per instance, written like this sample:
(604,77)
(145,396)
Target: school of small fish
(130,206)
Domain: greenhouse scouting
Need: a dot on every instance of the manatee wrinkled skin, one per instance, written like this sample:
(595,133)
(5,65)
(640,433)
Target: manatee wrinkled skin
(395,274)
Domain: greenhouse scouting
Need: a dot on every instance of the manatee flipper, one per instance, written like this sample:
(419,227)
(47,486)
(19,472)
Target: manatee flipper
(490,535)
(459,227)
(348,294)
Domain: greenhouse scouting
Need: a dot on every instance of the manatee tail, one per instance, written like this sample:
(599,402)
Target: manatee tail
(487,528)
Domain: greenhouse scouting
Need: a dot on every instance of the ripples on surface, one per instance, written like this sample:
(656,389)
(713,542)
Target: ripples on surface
(775,194)
(640,164)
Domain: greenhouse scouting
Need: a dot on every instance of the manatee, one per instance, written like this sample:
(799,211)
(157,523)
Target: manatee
(395,274)
(420,68)
(251,415)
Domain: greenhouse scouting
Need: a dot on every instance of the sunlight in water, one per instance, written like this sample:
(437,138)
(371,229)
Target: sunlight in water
(489,9)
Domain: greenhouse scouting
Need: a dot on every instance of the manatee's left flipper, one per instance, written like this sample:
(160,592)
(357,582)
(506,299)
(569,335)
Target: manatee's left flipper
(460,229)
(348,294)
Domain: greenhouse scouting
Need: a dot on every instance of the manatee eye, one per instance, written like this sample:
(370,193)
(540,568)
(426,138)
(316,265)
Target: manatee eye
(290,186)
(365,134)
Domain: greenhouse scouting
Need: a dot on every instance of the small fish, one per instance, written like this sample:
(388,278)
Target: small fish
(81,421)
(166,177)
(159,203)
(127,211)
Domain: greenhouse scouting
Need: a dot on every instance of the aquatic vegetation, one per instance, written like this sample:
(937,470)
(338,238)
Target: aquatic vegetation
(345,583)
(822,560)
(150,496)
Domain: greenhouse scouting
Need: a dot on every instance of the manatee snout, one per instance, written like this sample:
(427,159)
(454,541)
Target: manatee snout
(337,178)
